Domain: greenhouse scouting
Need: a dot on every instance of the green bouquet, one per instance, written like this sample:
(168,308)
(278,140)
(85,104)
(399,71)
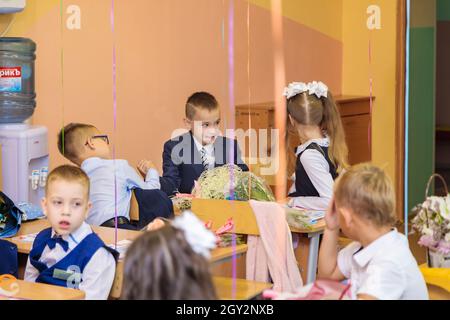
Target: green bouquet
(229,182)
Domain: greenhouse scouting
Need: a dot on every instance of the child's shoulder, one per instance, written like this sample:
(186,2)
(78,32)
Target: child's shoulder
(46,233)
(182,137)
(351,248)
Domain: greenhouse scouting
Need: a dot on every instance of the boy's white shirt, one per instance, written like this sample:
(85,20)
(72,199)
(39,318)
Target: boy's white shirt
(386,269)
(98,274)
(318,171)
(102,173)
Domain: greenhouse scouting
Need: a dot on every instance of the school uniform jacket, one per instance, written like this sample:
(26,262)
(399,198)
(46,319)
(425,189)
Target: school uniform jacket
(182,161)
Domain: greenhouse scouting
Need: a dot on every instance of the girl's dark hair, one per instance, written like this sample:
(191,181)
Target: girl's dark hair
(161,265)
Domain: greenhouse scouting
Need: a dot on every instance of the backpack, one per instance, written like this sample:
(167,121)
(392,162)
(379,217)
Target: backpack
(10,217)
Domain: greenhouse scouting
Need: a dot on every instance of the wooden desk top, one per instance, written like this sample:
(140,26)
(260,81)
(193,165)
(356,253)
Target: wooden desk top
(220,254)
(40,291)
(318,227)
(245,290)
(106,234)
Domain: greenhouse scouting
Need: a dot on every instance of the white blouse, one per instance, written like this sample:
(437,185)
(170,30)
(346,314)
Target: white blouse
(318,171)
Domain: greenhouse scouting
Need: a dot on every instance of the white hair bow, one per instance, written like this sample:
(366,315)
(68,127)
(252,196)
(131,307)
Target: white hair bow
(199,238)
(316,87)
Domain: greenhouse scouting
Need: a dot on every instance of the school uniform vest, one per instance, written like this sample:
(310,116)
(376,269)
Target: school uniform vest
(66,272)
(303,185)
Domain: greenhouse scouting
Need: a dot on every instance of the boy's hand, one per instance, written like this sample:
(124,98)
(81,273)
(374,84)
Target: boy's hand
(155,225)
(331,216)
(144,166)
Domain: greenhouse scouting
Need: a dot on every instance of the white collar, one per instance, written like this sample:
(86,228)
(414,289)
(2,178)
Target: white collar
(323,142)
(87,161)
(209,147)
(77,235)
(363,257)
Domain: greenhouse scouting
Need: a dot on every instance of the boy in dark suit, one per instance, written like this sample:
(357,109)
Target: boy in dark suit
(202,148)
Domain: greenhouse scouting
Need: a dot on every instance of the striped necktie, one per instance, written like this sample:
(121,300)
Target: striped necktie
(204,159)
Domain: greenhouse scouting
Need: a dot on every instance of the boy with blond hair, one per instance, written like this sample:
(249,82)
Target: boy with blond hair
(379,263)
(69,253)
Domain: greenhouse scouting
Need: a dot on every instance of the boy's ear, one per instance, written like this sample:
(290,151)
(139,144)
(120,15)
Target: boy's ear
(44,205)
(347,215)
(89,144)
(187,123)
(89,207)
(292,120)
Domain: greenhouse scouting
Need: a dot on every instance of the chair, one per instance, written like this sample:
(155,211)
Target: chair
(438,282)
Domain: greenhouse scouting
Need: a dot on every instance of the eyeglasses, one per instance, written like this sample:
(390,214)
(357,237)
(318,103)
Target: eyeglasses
(104,137)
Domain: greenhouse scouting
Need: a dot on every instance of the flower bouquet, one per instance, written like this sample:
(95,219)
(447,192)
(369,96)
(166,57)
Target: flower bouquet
(228,182)
(432,221)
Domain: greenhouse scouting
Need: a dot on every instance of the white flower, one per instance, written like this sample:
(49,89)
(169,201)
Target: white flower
(447,237)
(427,232)
(318,88)
(294,89)
(445,209)
(200,239)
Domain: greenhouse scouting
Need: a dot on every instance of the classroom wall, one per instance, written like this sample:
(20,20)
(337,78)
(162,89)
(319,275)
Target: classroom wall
(167,49)
(422,115)
(357,71)
(443,64)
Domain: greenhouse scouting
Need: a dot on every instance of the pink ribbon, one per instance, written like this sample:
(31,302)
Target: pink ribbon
(114,81)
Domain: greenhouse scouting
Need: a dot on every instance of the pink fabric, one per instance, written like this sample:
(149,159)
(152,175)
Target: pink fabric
(319,290)
(272,252)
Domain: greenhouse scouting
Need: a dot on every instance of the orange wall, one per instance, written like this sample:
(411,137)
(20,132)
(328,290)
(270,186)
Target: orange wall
(357,71)
(166,49)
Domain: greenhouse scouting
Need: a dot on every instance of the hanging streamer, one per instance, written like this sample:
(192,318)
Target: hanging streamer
(249,92)
(280,102)
(407,73)
(61,9)
(223,25)
(114,83)
(232,114)
(370,93)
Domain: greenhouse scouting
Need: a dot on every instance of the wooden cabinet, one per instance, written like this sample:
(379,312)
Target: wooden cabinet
(356,118)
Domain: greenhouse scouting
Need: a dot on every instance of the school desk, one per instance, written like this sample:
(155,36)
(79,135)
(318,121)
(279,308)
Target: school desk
(41,291)
(219,211)
(225,289)
(221,265)
(106,234)
(240,289)
(221,258)
(307,250)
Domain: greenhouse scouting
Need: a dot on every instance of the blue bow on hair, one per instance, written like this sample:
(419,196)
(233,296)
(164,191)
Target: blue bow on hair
(51,243)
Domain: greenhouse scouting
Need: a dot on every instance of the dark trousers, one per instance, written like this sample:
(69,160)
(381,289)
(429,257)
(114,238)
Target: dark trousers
(152,204)
(8,258)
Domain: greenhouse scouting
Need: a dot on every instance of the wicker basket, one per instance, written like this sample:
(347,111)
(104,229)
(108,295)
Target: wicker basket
(434,259)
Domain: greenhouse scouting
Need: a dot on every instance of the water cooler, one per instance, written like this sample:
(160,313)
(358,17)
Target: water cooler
(23,147)
(24,153)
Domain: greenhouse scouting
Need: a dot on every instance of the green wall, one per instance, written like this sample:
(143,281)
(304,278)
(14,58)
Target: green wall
(422,108)
(443,10)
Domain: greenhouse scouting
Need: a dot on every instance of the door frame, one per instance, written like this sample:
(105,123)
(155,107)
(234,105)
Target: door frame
(400,109)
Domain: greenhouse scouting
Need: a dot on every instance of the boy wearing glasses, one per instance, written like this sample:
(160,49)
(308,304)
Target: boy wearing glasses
(87,147)
(202,148)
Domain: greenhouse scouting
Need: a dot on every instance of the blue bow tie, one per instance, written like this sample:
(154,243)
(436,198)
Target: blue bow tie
(58,239)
